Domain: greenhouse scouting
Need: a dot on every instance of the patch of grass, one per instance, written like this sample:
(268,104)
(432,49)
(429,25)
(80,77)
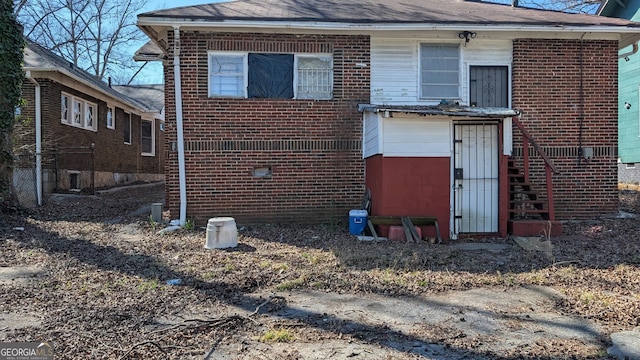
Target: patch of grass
(281,267)
(535,278)
(264,264)
(292,284)
(313,259)
(209,275)
(152,222)
(506,279)
(277,335)
(189,225)
(148,285)
(587,298)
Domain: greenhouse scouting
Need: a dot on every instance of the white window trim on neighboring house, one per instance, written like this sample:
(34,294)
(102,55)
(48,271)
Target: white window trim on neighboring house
(424,81)
(77,112)
(111,117)
(152,138)
(298,87)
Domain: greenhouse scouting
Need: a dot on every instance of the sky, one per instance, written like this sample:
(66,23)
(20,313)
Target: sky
(152,72)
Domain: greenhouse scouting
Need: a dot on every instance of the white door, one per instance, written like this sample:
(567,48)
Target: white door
(476,178)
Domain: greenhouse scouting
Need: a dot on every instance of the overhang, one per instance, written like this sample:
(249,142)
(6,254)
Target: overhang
(442,110)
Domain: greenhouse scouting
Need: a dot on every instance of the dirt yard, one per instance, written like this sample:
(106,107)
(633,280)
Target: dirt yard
(89,275)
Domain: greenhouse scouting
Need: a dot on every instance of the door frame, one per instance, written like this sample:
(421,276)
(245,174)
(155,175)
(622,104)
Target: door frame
(496,123)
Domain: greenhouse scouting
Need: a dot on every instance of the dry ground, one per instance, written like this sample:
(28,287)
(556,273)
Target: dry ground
(92,275)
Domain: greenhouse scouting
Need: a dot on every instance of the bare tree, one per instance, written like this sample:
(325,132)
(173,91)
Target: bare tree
(94,35)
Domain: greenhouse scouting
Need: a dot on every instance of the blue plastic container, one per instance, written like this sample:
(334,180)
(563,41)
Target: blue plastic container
(357,221)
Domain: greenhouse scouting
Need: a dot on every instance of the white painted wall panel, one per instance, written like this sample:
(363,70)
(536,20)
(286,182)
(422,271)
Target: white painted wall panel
(416,136)
(372,132)
(484,53)
(395,67)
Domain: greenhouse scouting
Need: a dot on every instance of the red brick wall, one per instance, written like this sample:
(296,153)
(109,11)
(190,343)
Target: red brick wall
(312,147)
(567,91)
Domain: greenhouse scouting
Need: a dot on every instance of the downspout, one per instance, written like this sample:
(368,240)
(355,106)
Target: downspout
(581,91)
(627,54)
(179,126)
(38,137)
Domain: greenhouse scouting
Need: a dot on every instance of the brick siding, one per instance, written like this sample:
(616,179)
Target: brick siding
(72,145)
(313,147)
(567,91)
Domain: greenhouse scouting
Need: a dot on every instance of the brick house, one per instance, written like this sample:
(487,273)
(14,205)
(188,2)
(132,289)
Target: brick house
(491,118)
(80,134)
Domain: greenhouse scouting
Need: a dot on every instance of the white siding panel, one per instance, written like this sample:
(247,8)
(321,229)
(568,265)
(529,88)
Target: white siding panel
(416,137)
(371,138)
(394,67)
(484,53)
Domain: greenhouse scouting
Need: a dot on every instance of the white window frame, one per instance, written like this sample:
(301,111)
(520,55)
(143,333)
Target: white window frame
(296,74)
(245,73)
(65,102)
(111,117)
(420,73)
(76,111)
(127,115)
(90,115)
(153,137)
(245,67)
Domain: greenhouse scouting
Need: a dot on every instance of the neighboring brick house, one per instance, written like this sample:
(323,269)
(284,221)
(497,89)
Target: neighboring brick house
(76,133)
(285,111)
(628,95)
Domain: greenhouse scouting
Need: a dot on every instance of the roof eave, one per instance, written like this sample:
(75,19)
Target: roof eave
(148,23)
(92,86)
(151,25)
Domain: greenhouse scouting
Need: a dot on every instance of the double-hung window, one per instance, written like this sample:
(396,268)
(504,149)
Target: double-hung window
(147,138)
(439,71)
(78,112)
(111,124)
(64,109)
(127,128)
(269,75)
(89,115)
(227,75)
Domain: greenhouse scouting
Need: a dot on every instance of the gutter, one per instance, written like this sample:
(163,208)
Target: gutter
(179,125)
(38,137)
(373,26)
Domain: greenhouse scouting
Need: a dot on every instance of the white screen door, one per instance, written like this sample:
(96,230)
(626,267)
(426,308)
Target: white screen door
(476,178)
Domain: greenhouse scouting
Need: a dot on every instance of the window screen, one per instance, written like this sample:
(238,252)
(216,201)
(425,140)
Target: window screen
(440,68)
